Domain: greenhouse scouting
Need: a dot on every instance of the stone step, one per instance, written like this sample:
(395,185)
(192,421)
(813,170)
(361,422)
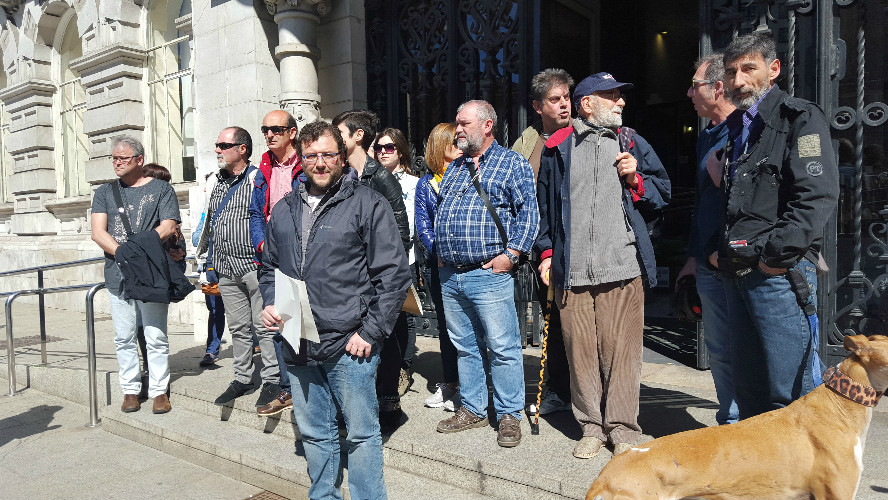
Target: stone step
(265,460)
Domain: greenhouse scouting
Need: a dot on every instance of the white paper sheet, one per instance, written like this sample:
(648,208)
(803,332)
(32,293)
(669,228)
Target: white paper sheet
(291,303)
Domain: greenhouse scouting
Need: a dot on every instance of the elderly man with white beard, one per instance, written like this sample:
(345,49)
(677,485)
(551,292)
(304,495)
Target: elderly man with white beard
(599,183)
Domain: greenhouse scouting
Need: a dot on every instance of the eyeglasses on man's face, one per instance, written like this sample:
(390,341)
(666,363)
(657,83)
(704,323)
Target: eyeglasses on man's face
(610,95)
(311,159)
(385,148)
(699,83)
(121,159)
(226,145)
(274,129)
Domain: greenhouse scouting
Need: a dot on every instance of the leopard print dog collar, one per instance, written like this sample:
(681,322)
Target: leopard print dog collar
(851,389)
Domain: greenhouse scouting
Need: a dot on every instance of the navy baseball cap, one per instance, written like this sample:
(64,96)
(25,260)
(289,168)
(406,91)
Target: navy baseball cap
(596,83)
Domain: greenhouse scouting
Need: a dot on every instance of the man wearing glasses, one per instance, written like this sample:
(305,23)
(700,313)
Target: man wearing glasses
(148,204)
(707,93)
(227,235)
(599,183)
(341,239)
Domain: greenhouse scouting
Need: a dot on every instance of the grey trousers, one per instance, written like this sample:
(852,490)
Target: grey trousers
(243,309)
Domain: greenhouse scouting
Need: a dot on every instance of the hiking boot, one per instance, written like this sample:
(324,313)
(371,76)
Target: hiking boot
(463,419)
(283,401)
(405,380)
(509,432)
(235,390)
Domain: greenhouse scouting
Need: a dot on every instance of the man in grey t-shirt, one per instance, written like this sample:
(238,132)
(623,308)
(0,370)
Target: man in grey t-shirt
(148,204)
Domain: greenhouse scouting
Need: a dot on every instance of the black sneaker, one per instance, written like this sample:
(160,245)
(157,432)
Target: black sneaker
(235,390)
(267,394)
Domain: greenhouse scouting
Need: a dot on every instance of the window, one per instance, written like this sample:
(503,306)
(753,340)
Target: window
(170,136)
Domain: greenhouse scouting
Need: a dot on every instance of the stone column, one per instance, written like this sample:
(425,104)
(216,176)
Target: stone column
(29,101)
(298,54)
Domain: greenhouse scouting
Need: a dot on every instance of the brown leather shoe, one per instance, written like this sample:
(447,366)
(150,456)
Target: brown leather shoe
(509,433)
(461,420)
(162,404)
(130,403)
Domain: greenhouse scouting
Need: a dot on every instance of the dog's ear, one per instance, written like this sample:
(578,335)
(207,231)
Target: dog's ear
(855,343)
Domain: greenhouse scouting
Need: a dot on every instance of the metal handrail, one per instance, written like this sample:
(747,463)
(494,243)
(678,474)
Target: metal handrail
(10,345)
(47,267)
(90,323)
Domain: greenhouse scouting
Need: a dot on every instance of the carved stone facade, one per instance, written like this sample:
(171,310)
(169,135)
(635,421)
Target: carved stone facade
(172,73)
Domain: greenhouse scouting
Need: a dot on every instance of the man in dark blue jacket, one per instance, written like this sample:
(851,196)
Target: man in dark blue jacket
(341,239)
(707,92)
(598,184)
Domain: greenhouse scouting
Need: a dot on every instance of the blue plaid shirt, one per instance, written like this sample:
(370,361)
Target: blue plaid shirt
(465,233)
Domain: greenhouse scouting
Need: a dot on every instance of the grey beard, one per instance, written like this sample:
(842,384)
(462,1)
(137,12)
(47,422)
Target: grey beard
(744,104)
(469,147)
(607,120)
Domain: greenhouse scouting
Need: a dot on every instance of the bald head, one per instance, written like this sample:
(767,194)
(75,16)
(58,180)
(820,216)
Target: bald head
(280,130)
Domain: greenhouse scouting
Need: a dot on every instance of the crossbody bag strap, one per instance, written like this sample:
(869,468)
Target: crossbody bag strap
(473,171)
(115,188)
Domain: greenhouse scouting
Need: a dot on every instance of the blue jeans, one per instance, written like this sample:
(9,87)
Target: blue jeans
(215,323)
(771,341)
(348,384)
(716,333)
(480,309)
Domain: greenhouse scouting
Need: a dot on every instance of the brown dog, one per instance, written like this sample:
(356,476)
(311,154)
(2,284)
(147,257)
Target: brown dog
(813,448)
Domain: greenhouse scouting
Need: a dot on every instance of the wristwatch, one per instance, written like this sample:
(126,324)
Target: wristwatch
(512,257)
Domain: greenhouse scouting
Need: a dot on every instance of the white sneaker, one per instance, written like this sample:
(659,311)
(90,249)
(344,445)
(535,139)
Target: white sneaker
(550,403)
(453,402)
(441,395)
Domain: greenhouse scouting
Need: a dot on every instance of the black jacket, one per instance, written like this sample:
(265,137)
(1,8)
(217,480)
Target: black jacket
(355,271)
(784,189)
(149,274)
(379,179)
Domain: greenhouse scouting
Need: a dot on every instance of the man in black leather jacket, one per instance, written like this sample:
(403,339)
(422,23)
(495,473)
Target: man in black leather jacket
(358,128)
(781,186)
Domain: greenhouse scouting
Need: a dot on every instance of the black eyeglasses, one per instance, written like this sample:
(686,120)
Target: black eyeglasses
(227,145)
(388,149)
(275,129)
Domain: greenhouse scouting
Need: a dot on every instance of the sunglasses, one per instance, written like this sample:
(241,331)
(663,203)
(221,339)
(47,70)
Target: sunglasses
(385,148)
(226,145)
(275,129)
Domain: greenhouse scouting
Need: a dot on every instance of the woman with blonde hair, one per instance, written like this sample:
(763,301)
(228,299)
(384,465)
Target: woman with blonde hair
(441,150)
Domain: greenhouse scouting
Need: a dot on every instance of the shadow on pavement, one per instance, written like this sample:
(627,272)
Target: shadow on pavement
(32,422)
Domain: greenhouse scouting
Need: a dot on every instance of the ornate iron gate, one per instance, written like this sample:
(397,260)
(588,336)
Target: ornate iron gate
(833,54)
(444,53)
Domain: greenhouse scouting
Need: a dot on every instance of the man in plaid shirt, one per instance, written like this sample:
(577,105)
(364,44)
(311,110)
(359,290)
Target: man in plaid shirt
(477,284)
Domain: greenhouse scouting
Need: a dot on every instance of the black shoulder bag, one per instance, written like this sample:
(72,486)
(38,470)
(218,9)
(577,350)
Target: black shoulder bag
(179,285)
(525,279)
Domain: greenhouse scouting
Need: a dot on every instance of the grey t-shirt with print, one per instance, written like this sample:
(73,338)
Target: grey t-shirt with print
(145,205)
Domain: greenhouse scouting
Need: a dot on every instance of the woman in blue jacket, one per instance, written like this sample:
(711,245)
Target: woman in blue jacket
(440,151)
